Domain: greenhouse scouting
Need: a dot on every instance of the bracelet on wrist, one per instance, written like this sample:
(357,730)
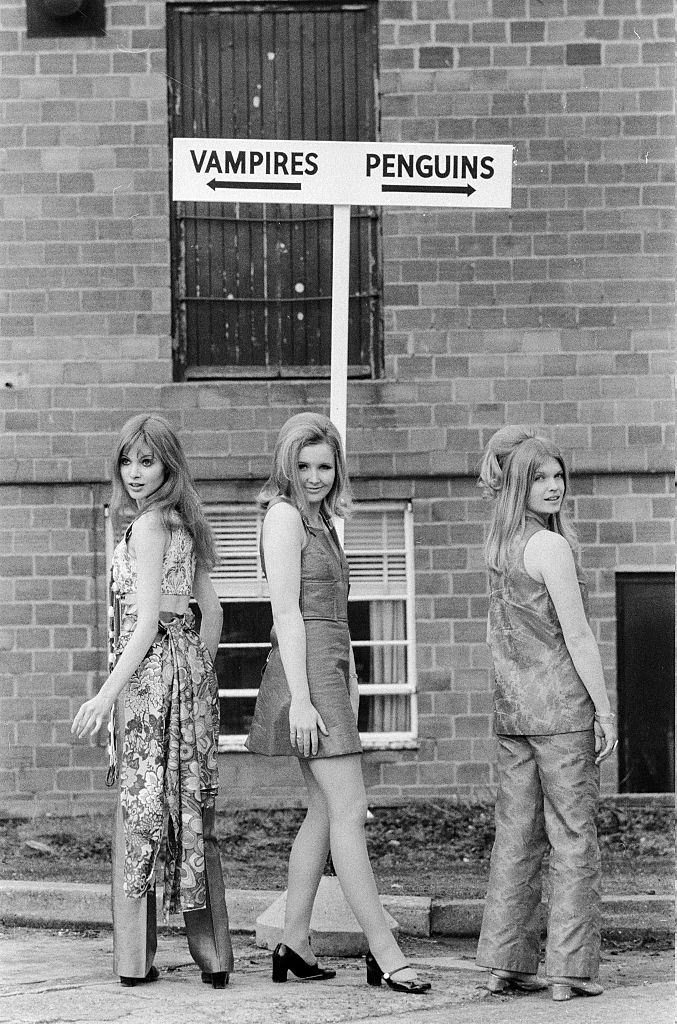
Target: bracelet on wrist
(604,718)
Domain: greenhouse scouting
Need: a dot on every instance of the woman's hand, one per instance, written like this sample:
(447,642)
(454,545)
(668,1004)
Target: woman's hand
(92,715)
(606,737)
(304,722)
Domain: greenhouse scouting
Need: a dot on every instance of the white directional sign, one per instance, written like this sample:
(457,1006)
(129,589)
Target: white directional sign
(342,173)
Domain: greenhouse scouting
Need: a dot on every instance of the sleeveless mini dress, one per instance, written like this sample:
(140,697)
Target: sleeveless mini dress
(323,602)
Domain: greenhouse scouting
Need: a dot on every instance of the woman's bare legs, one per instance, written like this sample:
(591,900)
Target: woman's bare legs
(306,863)
(342,786)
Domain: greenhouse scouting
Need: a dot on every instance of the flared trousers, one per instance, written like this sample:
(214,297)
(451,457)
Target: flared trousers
(547,797)
(134,919)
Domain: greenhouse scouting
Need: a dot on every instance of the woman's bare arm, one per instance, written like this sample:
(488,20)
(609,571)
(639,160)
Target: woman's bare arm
(210,610)
(549,560)
(283,539)
(148,540)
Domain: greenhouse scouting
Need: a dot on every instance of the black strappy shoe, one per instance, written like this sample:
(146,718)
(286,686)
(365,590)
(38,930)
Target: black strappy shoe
(217,980)
(152,975)
(285,959)
(375,976)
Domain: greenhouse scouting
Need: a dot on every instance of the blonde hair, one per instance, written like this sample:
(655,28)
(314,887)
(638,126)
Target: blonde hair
(176,498)
(509,464)
(306,428)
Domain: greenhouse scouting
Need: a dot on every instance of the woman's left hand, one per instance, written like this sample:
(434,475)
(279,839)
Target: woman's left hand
(91,716)
(606,738)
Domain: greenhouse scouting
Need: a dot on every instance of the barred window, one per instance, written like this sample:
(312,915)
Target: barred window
(252,282)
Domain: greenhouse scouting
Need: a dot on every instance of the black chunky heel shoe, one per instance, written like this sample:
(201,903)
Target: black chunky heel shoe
(217,980)
(285,959)
(152,975)
(375,976)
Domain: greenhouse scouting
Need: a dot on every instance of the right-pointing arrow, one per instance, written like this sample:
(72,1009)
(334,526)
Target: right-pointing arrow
(461,189)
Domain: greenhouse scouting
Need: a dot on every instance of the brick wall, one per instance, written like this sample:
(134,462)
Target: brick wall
(557,312)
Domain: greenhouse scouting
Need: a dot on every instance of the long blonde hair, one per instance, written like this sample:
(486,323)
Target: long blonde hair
(176,498)
(306,428)
(509,465)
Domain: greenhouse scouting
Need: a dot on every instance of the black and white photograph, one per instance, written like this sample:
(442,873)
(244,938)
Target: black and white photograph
(337,629)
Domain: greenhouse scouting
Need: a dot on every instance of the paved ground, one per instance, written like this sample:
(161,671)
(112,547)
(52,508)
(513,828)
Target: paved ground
(51,977)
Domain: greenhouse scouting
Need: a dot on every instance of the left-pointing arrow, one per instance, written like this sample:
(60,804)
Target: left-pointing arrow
(286,186)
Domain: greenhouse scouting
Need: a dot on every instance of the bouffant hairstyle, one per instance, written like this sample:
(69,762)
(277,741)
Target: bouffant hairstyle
(509,465)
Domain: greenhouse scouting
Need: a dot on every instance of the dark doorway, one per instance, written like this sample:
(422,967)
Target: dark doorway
(251,283)
(645,606)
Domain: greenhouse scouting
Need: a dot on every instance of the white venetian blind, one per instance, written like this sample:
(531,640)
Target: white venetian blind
(237,529)
(374,546)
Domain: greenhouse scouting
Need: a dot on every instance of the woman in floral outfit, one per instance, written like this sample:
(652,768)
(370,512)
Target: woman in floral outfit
(163,695)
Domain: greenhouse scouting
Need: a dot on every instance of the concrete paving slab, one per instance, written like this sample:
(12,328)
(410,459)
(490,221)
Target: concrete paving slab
(334,930)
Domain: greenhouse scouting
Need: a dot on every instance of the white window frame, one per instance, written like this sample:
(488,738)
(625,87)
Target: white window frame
(253,587)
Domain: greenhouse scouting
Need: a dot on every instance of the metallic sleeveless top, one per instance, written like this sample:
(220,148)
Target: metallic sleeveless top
(178,565)
(324,574)
(537,690)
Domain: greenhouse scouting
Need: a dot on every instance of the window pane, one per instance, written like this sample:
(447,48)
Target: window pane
(379,620)
(240,669)
(384,714)
(246,622)
(236,715)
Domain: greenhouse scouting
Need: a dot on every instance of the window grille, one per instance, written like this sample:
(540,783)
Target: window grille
(379,549)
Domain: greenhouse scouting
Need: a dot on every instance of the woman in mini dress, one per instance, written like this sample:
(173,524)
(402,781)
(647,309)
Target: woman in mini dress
(308,699)
(166,715)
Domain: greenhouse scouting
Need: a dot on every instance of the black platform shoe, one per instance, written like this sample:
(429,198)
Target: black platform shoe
(375,976)
(219,979)
(152,975)
(285,959)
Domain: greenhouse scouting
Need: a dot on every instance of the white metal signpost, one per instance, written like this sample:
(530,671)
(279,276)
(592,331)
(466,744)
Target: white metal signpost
(341,174)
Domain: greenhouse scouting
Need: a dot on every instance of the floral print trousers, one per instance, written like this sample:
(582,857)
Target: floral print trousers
(547,798)
(166,743)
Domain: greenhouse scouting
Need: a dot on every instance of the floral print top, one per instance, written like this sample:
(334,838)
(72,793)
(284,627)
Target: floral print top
(178,565)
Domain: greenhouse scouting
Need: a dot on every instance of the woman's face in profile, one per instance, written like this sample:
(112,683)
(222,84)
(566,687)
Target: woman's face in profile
(316,472)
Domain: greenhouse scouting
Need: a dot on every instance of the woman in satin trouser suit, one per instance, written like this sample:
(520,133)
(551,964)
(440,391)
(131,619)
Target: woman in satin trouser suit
(163,695)
(553,724)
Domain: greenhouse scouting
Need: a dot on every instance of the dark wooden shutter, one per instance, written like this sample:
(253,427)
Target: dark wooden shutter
(252,282)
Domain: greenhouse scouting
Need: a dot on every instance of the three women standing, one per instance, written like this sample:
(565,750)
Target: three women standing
(552,713)
(165,694)
(553,723)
